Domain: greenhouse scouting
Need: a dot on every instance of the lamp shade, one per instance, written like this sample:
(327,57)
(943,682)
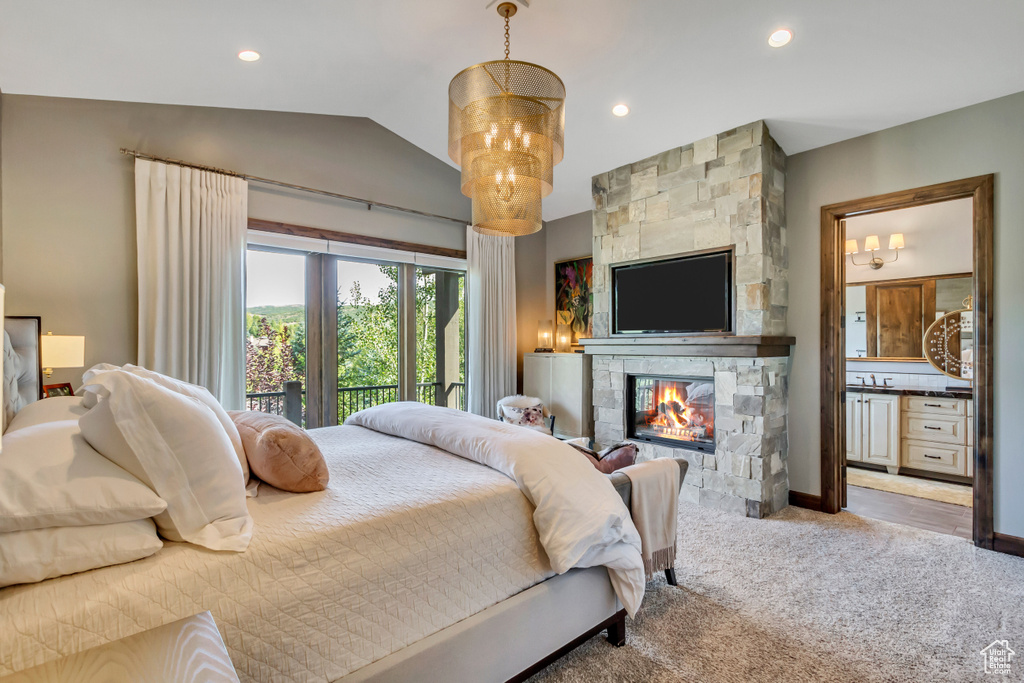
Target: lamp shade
(851,247)
(871,243)
(896,240)
(63,351)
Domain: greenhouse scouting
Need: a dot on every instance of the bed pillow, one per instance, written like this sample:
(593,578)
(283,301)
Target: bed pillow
(50,477)
(30,556)
(53,409)
(95,392)
(280,452)
(175,444)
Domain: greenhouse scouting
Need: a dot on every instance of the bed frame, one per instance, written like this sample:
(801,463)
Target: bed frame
(21,363)
(517,637)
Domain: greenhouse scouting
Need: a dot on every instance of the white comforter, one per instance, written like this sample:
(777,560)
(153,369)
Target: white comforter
(581,520)
(405,541)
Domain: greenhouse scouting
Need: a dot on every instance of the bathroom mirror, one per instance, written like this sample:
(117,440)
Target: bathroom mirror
(887,319)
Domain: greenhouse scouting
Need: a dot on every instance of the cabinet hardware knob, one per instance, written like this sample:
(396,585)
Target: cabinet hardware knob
(933,457)
(930,427)
(932,405)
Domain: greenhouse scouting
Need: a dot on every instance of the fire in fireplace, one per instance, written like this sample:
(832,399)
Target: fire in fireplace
(673,410)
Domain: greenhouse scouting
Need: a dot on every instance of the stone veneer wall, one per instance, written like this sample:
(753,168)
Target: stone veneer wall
(747,472)
(724,190)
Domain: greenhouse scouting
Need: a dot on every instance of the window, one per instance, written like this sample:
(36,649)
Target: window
(275,322)
(356,335)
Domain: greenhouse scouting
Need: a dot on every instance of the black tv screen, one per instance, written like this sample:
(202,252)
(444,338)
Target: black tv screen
(684,295)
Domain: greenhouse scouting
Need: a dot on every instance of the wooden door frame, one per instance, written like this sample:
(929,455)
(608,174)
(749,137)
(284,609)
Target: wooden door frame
(833,342)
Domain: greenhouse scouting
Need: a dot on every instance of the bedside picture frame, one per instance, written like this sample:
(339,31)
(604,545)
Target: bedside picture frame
(51,390)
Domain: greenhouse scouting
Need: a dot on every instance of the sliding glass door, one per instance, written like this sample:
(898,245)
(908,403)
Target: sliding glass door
(368,341)
(275,322)
(440,337)
(356,333)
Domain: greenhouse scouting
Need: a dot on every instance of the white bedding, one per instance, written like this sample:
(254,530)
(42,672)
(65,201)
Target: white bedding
(581,520)
(405,541)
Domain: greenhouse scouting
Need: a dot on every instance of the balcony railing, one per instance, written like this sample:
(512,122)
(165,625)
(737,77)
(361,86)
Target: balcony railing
(353,399)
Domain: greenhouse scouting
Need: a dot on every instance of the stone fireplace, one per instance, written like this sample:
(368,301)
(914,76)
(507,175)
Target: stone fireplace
(719,400)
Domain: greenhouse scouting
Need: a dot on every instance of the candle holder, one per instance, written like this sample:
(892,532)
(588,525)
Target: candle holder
(544,336)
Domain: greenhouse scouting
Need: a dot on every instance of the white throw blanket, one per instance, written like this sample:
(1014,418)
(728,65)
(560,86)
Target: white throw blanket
(654,504)
(580,519)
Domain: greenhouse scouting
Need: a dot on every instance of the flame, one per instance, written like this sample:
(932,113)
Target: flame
(675,418)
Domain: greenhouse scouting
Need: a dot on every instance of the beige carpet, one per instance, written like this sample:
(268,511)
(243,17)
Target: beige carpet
(943,491)
(804,596)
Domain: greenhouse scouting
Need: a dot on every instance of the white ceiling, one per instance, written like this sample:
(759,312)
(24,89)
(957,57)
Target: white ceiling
(687,69)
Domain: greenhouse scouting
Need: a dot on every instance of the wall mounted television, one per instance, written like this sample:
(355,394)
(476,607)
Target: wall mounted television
(680,295)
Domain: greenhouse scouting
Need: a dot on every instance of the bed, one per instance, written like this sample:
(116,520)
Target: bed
(413,559)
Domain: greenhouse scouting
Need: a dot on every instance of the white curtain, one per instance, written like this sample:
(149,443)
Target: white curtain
(492,320)
(191,229)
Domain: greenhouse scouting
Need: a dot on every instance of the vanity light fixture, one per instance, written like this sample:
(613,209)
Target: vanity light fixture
(871,245)
(780,37)
(249,55)
(620,110)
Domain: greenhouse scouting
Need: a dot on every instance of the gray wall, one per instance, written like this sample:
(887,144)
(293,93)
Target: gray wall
(69,222)
(985,138)
(565,238)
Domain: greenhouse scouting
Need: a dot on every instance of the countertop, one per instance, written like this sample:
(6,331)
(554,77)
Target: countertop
(948,392)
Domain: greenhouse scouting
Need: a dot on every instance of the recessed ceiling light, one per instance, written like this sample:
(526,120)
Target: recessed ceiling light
(620,110)
(780,37)
(248,55)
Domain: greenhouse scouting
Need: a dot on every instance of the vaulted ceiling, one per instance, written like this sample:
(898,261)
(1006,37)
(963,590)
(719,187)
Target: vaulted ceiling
(687,69)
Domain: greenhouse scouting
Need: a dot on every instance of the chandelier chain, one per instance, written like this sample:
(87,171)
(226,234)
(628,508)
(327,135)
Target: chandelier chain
(506,34)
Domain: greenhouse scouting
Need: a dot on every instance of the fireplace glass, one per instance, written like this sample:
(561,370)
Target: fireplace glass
(673,410)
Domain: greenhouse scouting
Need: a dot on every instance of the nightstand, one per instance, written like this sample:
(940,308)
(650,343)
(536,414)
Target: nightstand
(186,651)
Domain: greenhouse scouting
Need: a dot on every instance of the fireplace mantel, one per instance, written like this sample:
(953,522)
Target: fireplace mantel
(704,346)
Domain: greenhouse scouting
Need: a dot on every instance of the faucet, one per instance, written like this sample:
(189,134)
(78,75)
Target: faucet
(873,382)
(885,381)
(863,383)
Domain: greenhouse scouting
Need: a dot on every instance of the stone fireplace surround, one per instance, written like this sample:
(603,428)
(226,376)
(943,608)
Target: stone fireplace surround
(723,191)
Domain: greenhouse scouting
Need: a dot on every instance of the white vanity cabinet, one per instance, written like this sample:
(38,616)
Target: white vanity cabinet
(938,435)
(563,382)
(873,429)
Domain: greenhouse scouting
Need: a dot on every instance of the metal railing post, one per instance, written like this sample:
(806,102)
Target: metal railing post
(293,401)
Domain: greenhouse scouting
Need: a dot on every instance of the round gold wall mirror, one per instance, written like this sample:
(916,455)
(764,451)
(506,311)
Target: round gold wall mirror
(949,343)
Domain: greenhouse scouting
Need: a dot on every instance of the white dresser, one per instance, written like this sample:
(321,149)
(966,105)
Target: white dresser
(563,382)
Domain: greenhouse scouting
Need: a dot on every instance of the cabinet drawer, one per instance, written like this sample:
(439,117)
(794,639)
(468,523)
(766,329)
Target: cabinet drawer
(934,428)
(936,406)
(935,457)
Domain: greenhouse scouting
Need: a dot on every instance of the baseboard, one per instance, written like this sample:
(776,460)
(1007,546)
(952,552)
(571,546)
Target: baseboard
(805,500)
(1005,543)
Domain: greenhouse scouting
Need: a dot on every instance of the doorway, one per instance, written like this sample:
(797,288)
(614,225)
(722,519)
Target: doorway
(902,293)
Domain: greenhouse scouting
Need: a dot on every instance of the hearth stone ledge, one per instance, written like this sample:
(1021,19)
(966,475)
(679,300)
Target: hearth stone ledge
(747,474)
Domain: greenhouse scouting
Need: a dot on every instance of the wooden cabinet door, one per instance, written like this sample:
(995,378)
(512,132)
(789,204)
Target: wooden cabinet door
(881,431)
(854,429)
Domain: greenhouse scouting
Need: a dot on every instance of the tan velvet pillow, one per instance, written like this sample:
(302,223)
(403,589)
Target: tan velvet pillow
(281,453)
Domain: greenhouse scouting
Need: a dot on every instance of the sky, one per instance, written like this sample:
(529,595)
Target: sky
(278,279)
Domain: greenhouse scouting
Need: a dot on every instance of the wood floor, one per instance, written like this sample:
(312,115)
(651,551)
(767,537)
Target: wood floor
(932,515)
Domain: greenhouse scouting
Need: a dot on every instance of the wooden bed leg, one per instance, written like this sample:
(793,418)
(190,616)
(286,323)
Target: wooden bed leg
(670,576)
(617,630)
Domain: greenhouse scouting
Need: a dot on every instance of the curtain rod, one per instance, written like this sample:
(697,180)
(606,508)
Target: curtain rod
(301,188)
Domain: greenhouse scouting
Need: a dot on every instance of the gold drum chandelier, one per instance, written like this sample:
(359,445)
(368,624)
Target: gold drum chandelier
(506,130)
